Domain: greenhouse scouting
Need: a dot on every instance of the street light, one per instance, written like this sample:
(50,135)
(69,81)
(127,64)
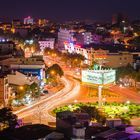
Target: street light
(128,102)
(52,72)
(21,87)
(75,101)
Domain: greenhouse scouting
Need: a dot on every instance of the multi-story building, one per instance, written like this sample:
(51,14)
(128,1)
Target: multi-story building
(119,59)
(89,53)
(65,35)
(4,90)
(34,66)
(47,43)
(6,46)
(28,20)
(84,38)
(103,57)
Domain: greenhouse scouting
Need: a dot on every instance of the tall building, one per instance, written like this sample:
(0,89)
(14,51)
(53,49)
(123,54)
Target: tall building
(65,35)
(118,18)
(28,20)
(84,38)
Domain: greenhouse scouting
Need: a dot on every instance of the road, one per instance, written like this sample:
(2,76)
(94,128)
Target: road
(32,113)
(39,112)
(127,93)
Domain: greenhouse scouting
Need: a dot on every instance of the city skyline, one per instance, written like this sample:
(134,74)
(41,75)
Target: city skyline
(61,10)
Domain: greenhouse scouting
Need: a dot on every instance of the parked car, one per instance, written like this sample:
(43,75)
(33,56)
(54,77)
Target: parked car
(45,91)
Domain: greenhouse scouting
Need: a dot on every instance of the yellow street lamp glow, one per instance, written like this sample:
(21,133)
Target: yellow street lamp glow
(21,87)
(75,101)
(128,102)
(49,63)
(52,72)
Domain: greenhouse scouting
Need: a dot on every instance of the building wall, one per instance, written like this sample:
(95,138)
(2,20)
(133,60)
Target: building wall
(64,35)
(6,47)
(84,38)
(48,43)
(119,59)
(4,91)
(28,20)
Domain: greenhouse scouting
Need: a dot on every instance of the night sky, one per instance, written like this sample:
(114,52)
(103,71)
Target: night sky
(60,10)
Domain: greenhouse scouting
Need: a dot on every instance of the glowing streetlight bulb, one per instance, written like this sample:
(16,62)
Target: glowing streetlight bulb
(75,101)
(21,87)
(128,102)
(52,72)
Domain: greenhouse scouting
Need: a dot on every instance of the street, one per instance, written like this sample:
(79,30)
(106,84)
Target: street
(73,91)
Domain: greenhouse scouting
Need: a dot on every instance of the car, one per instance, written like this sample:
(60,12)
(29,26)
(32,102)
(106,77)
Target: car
(45,91)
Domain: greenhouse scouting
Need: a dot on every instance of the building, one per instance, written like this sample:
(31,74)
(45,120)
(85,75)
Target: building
(118,18)
(20,79)
(28,20)
(119,59)
(89,53)
(32,66)
(6,47)
(84,38)
(42,22)
(22,31)
(78,132)
(4,90)
(65,35)
(47,43)
(6,27)
(112,123)
(97,39)
(16,23)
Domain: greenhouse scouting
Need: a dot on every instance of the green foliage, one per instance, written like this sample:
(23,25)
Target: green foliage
(32,89)
(124,71)
(73,59)
(110,110)
(7,118)
(56,69)
(52,52)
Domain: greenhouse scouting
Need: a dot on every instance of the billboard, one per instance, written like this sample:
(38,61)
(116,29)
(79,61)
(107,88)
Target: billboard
(109,77)
(100,77)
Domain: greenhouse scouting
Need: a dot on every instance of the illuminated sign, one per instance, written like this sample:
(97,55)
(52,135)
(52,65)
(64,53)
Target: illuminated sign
(100,77)
(109,76)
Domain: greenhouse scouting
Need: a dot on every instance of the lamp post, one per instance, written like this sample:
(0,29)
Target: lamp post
(100,96)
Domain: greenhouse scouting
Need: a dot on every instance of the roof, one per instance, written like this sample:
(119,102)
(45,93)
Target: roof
(55,135)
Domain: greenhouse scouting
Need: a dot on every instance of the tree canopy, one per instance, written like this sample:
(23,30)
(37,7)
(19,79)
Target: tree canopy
(7,118)
(55,69)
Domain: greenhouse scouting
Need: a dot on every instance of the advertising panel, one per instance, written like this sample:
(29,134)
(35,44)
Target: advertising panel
(99,77)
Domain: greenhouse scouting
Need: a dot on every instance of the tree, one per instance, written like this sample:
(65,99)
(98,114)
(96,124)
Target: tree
(34,88)
(94,113)
(55,70)
(124,71)
(53,73)
(7,118)
(73,59)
